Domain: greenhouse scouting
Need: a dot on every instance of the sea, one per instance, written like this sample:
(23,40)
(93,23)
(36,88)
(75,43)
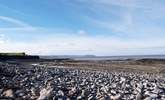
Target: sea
(92,57)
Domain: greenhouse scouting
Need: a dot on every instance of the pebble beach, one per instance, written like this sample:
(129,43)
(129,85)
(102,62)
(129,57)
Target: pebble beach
(18,82)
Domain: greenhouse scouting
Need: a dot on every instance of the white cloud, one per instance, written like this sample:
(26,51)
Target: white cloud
(85,45)
(82,32)
(19,27)
(14,21)
(16,29)
(137,4)
(132,18)
(2,39)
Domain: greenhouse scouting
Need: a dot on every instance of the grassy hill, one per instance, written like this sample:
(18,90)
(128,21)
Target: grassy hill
(13,54)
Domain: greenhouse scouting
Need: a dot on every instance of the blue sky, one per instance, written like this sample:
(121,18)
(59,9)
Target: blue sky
(77,27)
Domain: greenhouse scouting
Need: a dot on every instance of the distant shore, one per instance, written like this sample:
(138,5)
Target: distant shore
(149,64)
(17,56)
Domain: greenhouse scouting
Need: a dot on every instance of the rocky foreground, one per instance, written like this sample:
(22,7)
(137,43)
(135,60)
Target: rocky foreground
(42,83)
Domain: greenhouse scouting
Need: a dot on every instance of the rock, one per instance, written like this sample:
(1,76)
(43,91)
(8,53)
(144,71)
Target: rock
(1,91)
(116,97)
(138,96)
(8,93)
(60,93)
(20,93)
(45,93)
(63,83)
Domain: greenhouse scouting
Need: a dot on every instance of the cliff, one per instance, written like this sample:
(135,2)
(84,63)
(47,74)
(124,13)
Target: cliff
(17,56)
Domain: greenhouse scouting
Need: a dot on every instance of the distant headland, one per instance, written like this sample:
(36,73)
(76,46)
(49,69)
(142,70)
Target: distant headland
(17,56)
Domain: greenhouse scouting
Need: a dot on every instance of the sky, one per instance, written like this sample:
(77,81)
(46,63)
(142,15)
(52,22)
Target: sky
(83,27)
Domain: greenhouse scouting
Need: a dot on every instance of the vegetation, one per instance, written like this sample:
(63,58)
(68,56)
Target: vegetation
(13,54)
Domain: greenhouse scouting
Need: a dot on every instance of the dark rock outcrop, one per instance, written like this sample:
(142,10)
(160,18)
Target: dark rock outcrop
(5,58)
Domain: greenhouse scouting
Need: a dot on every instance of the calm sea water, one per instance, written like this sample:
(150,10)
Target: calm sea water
(120,57)
(108,57)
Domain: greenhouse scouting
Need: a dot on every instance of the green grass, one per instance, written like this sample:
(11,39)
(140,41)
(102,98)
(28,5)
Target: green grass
(13,54)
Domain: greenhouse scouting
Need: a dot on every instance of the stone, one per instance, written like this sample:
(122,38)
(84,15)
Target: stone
(8,93)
